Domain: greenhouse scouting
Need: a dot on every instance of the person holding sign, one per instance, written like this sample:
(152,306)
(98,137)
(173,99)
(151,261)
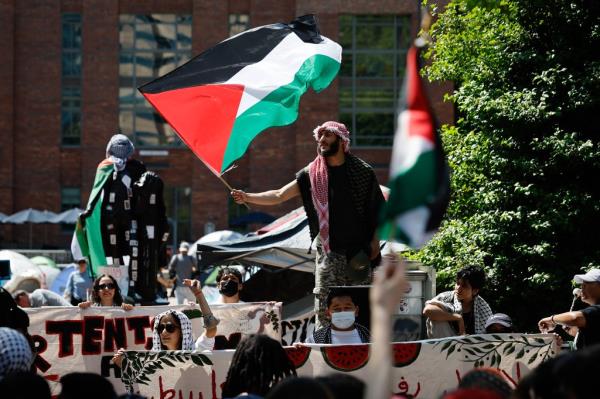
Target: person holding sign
(106,292)
(172,331)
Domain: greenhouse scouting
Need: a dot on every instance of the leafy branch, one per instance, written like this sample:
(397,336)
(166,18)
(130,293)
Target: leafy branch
(137,366)
(272,316)
(481,351)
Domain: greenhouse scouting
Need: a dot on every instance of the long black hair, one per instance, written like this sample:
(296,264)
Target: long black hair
(258,364)
(117,299)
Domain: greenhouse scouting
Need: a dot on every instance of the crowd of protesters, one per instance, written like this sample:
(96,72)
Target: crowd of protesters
(260,367)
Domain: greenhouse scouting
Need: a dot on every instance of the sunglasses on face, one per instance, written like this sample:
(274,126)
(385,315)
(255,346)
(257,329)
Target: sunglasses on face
(109,286)
(169,327)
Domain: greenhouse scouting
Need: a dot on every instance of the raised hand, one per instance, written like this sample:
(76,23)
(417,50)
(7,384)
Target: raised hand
(194,285)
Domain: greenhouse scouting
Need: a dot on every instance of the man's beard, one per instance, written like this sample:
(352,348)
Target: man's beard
(333,148)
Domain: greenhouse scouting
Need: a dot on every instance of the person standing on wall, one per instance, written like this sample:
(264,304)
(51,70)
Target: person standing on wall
(342,199)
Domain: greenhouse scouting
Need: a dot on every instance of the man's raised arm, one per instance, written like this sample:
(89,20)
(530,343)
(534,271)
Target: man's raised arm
(271,197)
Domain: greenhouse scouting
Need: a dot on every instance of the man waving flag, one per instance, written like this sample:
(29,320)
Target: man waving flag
(419,181)
(219,101)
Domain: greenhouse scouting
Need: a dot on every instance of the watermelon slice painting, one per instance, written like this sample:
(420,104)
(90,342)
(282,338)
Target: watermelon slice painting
(346,357)
(298,355)
(405,353)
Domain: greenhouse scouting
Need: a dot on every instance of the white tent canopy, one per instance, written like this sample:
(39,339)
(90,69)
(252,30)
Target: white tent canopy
(215,236)
(25,273)
(30,216)
(69,216)
(283,243)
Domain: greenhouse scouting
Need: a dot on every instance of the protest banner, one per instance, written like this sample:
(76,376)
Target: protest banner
(297,328)
(423,369)
(70,339)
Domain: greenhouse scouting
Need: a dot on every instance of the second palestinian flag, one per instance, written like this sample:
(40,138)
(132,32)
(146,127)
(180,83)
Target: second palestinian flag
(222,99)
(419,180)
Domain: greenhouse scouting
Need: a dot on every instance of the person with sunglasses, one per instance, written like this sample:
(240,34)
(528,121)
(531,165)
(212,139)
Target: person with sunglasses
(172,331)
(106,292)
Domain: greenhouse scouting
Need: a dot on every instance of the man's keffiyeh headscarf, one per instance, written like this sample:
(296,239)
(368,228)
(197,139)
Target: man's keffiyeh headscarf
(319,179)
(187,337)
(119,148)
(15,353)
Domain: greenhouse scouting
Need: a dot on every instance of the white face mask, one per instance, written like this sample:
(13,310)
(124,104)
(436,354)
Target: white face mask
(342,320)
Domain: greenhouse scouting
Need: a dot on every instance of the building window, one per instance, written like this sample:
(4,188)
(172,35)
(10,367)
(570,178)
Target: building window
(150,46)
(238,23)
(70,197)
(373,62)
(71,80)
(178,201)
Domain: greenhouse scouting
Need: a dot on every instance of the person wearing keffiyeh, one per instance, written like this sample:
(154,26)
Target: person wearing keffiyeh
(172,330)
(459,312)
(342,199)
(15,352)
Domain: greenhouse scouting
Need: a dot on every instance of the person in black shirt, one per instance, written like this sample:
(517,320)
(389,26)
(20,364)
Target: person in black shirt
(586,320)
(342,199)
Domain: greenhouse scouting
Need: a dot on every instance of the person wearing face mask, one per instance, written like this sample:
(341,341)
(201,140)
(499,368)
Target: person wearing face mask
(229,283)
(343,329)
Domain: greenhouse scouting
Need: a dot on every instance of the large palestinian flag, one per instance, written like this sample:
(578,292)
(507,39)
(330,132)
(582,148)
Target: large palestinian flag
(219,101)
(87,238)
(419,182)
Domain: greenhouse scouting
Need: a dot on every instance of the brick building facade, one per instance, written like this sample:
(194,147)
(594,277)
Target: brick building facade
(36,165)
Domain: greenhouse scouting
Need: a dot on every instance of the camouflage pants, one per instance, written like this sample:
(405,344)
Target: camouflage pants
(330,270)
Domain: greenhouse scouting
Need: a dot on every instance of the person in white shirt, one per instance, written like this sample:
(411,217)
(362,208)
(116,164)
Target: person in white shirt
(342,311)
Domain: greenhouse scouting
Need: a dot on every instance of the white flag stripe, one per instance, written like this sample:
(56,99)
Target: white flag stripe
(413,223)
(75,248)
(271,73)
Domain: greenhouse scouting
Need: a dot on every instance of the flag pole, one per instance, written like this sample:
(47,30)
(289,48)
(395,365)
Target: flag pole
(222,180)
(230,189)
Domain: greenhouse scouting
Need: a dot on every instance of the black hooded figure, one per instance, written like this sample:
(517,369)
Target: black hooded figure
(134,225)
(151,234)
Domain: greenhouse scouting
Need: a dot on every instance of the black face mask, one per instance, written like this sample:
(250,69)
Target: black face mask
(230,288)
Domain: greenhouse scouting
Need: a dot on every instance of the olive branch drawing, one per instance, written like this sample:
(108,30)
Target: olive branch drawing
(137,366)
(272,316)
(482,351)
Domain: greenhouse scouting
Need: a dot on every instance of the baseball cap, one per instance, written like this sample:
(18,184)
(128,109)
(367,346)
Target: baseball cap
(593,276)
(499,318)
(184,245)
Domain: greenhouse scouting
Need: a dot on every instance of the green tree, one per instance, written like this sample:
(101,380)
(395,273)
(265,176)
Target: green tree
(524,153)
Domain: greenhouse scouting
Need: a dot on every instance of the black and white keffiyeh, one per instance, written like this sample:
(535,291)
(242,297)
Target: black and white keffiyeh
(118,149)
(481,309)
(187,337)
(15,353)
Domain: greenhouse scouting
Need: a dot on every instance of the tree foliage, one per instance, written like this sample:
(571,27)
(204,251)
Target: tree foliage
(524,153)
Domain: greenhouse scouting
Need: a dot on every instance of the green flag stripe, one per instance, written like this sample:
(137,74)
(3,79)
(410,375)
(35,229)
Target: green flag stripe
(412,188)
(280,107)
(390,230)
(92,223)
